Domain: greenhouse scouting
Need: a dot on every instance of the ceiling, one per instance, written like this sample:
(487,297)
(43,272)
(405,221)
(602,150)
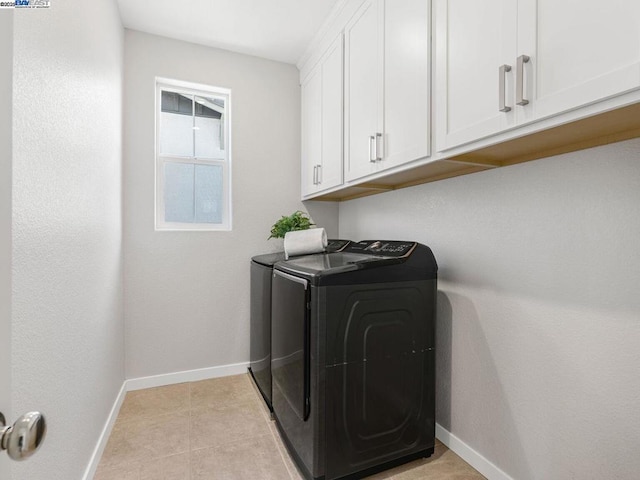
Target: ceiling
(275,29)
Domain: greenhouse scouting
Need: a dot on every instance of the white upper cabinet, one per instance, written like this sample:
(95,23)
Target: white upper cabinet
(311,140)
(407,81)
(387,85)
(330,174)
(473,39)
(514,80)
(580,51)
(363,90)
(322,113)
(503,63)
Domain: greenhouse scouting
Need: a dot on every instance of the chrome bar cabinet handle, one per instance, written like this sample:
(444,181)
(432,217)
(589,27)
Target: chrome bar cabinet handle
(379,150)
(372,148)
(520,100)
(502,102)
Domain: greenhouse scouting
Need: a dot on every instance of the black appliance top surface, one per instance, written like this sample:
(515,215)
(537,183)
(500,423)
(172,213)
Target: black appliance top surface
(270,259)
(415,259)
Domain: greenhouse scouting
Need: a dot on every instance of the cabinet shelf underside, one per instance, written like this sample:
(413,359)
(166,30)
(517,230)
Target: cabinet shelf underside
(601,129)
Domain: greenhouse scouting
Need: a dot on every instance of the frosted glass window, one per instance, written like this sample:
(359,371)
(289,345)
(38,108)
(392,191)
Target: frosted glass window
(176,135)
(176,124)
(208,194)
(193,193)
(209,133)
(193,164)
(178,192)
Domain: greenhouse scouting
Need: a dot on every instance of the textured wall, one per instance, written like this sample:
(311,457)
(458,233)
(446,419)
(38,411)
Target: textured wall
(539,312)
(6,80)
(186,293)
(67,263)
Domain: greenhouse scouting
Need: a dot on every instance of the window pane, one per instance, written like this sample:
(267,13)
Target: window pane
(178,192)
(174,102)
(176,125)
(209,132)
(209,190)
(192,123)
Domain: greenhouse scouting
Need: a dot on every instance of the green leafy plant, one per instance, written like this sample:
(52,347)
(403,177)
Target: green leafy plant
(296,221)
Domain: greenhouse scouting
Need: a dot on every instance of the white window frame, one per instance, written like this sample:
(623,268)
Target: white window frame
(188,88)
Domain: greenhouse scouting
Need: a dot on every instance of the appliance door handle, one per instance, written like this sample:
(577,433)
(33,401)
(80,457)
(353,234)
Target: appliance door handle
(520,100)
(307,355)
(502,101)
(293,278)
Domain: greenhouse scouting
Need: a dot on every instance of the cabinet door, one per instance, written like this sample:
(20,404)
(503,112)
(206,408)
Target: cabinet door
(311,130)
(406,81)
(581,51)
(363,95)
(330,173)
(473,39)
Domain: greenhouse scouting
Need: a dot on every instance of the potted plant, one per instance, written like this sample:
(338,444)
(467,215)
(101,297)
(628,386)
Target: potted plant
(296,221)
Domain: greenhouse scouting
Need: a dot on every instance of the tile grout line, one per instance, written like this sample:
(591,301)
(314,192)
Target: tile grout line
(226,444)
(266,417)
(282,454)
(257,396)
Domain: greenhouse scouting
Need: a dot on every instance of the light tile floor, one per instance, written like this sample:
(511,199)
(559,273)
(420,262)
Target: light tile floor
(220,429)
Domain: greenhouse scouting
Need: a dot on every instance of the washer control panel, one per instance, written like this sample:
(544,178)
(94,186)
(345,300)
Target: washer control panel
(335,245)
(384,248)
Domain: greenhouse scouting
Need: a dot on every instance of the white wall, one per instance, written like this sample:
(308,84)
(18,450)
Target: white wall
(186,293)
(6,80)
(538,313)
(67,358)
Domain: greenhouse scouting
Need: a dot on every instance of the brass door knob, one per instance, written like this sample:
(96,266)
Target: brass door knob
(23,438)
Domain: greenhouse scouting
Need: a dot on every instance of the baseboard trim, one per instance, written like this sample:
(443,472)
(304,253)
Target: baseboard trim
(104,435)
(469,455)
(186,376)
(149,382)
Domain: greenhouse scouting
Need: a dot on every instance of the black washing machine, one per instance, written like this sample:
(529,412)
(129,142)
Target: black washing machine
(353,357)
(260,314)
